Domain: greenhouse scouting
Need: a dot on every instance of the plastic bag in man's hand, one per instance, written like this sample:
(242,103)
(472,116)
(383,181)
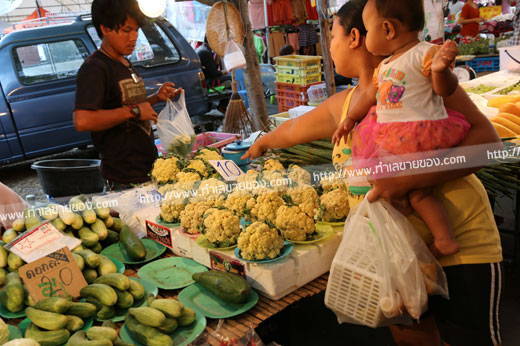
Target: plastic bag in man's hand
(233,56)
(175,129)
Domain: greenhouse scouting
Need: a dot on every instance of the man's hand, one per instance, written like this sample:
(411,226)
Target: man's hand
(168,91)
(445,57)
(255,151)
(147,112)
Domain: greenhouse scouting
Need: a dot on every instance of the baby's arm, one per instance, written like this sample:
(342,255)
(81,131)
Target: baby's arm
(444,81)
(365,100)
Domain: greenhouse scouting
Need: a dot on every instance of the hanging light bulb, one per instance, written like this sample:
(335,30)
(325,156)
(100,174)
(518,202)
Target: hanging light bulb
(152,8)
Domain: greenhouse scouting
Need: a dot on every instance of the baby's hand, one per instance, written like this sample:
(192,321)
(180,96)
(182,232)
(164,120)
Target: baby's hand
(445,56)
(343,130)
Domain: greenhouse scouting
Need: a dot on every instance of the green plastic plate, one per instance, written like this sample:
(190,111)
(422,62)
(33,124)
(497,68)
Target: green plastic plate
(119,265)
(333,224)
(198,298)
(161,222)
(153,250)
(183,336)
(8,314)
(14,332)
(322,232)
(203,242)
(287,248)
(171,273)
(25,323)
(121,313)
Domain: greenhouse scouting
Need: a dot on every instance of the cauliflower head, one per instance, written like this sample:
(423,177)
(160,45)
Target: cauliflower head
(187,177)
(266,206)
(272,165)
(303,194)
(191,216)
(334,206)
(250,175)
(171,209)
(333,183)
(294,223)
(211,189)
(199,166)
(208,154)
(259,242)
(221,227)
(239,201)
(165,170)
(299,175)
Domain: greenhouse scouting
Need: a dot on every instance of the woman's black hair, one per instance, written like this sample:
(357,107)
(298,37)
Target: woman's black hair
(113,13)
(286,50)
(350,16)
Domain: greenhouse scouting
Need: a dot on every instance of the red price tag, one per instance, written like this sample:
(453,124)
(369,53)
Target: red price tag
(225,263)
(161,234)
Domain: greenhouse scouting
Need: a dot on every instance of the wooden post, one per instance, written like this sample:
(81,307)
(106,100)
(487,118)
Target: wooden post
(252,76)
(328,66)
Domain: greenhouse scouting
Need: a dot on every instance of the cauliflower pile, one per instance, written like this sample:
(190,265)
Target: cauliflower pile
(191,216)
(171,209)
(240,203)
(294,223)
(199,166)
(182,177)
(298,175)
(250,175)
(207,154)
(333,183)
(259,242)
(334,206)
(165,170)
(273,165)
(266,206)
(221,227)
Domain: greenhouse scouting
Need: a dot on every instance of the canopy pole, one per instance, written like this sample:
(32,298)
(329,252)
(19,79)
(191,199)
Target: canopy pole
(266,31)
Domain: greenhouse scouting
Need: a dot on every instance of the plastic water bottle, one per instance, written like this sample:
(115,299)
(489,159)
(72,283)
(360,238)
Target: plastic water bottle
(491,39)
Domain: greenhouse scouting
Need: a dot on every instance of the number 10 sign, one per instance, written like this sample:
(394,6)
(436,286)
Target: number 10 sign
(228,169)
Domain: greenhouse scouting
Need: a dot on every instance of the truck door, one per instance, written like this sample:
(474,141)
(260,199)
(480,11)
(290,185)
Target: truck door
(10,149)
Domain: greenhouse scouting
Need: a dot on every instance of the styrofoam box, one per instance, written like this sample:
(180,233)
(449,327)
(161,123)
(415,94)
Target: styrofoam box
(500,79)
(276,279)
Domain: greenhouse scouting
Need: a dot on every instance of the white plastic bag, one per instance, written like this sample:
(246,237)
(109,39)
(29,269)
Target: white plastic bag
(233,56)
(175,128)
(382,272)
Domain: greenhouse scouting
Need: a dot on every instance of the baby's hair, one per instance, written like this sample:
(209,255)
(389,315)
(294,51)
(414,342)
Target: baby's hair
(408,12)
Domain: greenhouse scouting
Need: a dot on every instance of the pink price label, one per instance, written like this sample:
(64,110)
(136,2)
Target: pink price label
(38,237)
(160,234)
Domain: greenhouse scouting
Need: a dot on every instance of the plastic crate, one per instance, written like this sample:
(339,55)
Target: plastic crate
(286,103)
(293,87)
(293,79)
(299,95)
(298,60)
(279,118)
(483,64)
(298,71)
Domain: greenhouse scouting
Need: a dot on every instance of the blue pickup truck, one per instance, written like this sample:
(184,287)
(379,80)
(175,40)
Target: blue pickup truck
(38,82)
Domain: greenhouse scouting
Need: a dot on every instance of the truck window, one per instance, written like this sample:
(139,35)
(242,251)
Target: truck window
(153,47)
(49,61)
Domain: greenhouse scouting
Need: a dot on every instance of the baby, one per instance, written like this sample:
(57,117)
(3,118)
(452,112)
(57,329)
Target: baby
(406,113)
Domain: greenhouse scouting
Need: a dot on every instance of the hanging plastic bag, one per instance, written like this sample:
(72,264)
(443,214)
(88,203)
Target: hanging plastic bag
(175,129)
(382,272)
(233,56)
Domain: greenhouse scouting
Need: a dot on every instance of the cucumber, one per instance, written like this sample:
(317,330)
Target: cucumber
(231,288)
(3,257)
(169,325)
(99,227)
(89,216)
(119,342)
(74,323)
(106,312)
(66,215)
(12,295)
(47,338)
(59,224)
(69,233)
(170,307)
(77,203)
(103,212)
(148,316)
(132,244)
(109,221)
(91,258)
(80,339)
(106,266)
(187,317)
(104,293)
(45,319)
(31,221)
(97,248)
(28,300)
(77,223)
(100,333)
(90,275)
(116,280)
(109,324)
(118,224)
(19,225)
(13,261)
(124,299)
(112,238)
(83,310)
(3,275)
(88,237)
(136,289)
(50,212)
(9,235)
(79,260)
(146,335)
(54,304)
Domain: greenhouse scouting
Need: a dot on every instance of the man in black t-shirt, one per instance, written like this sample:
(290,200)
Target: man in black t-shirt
(111,99)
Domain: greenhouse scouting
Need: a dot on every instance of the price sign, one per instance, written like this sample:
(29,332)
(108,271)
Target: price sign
(225,263)
(227,169)
(56,274)
(161,234)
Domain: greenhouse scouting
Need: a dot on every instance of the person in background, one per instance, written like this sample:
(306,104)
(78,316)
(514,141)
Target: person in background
(12,207)
(286,50)
(111,99)
(515,40)
(453,7)
(470,19)
(210,67)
